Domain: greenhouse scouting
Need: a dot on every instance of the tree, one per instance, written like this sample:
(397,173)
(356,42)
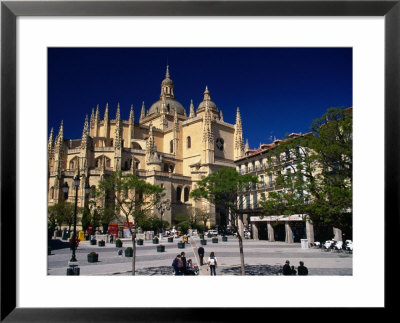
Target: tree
(63,212)
(317,180)
(86,218)
(221,188)
(134,198)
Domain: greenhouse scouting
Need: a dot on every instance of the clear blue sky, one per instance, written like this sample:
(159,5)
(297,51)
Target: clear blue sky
(278,90)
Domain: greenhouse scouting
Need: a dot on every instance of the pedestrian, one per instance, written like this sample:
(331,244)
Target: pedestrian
(303,270)
(183,258)
(294,272)
(287,271)
(200,251)
(111,238)
(212,263)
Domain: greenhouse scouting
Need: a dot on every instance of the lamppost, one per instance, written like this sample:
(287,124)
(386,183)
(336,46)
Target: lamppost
(73,263)
(161,209)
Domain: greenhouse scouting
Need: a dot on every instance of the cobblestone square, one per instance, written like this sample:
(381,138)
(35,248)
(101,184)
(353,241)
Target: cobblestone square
(261,258)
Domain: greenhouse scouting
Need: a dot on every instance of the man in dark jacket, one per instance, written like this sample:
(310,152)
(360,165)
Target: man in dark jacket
(287,271)
(183,258)
(201,254)
(175,265)
(302,270)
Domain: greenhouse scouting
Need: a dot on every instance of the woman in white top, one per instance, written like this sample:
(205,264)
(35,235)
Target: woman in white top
(212,263)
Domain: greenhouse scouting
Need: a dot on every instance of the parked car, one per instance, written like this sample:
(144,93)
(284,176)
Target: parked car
(213,232)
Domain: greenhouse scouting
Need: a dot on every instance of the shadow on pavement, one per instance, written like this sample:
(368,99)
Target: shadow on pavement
(252,270)
(56,244)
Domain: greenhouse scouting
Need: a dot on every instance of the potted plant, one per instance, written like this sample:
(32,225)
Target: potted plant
(139,242)
(215,240)
(102,243)
(208,235)
(155,240)
(160,248)
(129,252)
(181,245)
(93,257)
(93,242)
(118,243)
(170,239)
(225,238)
(203,242)
(201,236)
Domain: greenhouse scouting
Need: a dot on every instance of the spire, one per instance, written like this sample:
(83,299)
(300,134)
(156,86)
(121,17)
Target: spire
(221,116)
(50,145)
(118,115)
(191,114)
(246,146)
(207,95)
(207,129)
(118,137)
(60,139)
(143,112)
(85,134)
(131,116)
(238,136)
(92,119)
(167,85)
(97,113)
(106,113)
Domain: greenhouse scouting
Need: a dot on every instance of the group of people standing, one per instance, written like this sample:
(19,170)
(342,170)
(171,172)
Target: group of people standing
(183,267)
(291,271)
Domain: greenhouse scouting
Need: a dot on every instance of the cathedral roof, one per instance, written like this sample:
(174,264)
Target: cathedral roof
(171,104)
(207,100)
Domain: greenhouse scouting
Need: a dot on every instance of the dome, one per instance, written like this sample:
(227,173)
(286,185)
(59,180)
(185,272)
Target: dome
(211,105)
(171,103)
(167,81)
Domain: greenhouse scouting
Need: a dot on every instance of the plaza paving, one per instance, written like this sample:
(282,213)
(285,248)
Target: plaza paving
(261,258)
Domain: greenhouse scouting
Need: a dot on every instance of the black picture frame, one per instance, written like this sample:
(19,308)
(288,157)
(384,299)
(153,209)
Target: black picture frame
(10,10)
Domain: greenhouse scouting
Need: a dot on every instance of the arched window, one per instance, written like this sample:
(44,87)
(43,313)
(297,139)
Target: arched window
(108,162)
(189,142)
(171,146)
(52,193)
(166,168)
(171,168)
(126,165)
(137,165)
(186,194)
(112,142)
(178,194)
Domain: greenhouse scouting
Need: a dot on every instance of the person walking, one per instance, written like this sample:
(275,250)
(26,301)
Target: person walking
(212,263)
(287,271)
(302,270)
(200,251)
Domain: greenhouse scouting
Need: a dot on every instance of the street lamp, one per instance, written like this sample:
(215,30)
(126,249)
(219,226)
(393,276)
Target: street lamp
(76,184)
(161,209)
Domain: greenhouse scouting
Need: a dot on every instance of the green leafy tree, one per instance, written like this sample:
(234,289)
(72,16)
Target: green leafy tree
(317,180)
(221,188)
(86,218)
(134,198)
(63,213)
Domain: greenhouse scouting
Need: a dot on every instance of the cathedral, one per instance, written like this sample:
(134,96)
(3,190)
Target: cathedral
(167,147)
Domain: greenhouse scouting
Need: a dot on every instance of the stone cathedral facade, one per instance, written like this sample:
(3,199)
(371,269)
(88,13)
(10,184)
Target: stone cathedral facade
(167,147)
